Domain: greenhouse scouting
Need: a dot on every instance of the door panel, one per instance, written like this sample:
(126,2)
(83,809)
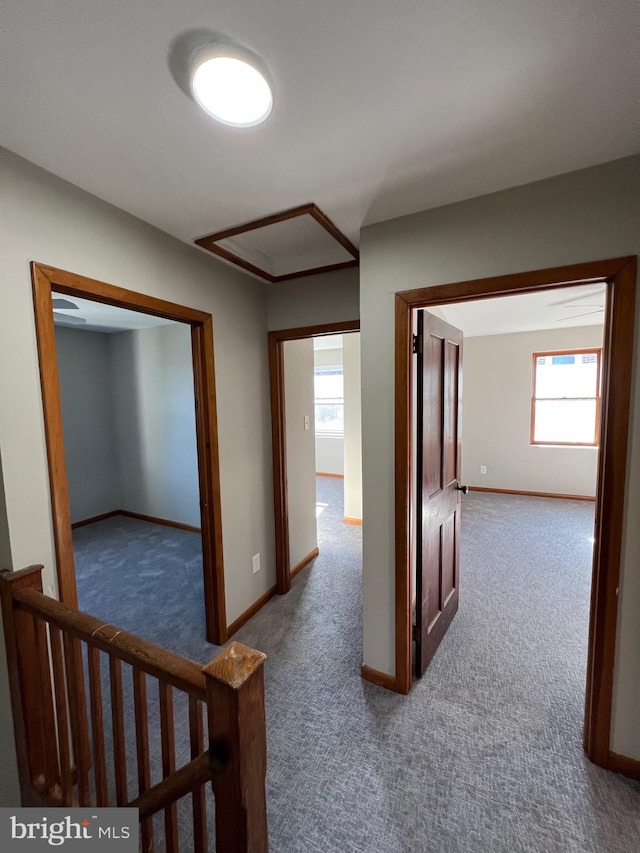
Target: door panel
(450,419)
(448,574)
(439,376)
(431,598)
(433,375)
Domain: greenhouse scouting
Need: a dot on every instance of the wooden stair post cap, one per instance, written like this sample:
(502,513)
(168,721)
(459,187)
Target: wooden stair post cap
(9,577)
(235,664)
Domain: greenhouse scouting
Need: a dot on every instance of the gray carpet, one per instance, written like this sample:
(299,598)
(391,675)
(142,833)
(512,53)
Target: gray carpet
(484,754)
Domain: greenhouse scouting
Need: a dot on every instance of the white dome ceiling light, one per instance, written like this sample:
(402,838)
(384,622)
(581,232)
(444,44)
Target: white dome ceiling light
(231,89)
(227,80)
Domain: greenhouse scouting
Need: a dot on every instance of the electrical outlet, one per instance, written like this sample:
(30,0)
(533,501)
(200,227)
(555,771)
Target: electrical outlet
(256,563)
(483,469)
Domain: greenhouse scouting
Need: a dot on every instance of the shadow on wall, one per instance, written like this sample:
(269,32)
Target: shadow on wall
(5,544)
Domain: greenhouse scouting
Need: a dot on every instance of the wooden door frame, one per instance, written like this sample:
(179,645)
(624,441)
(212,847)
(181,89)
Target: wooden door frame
(619,275)
(277,340)
(46,279)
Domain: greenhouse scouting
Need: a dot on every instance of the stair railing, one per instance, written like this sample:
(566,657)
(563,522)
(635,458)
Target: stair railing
(69,755)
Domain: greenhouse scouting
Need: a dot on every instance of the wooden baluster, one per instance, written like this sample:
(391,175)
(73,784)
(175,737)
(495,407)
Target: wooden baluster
(47,724)
(198,797)
(238,748)
(62,715)
(97,727)
(117,726)
(78,716)
(37,651)
(142,751)
(22,667)
(168,739)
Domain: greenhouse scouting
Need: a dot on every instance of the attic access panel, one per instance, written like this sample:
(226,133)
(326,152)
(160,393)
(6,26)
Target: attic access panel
(297,242)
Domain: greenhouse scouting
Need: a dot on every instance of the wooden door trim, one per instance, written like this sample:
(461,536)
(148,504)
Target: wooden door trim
(45,279)
(277,340)
(619,274)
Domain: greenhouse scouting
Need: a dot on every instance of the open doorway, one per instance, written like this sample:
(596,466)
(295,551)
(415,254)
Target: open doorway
(527,416)
(315,422)
(619,277)
(338,452)
(181,329)
(128,413)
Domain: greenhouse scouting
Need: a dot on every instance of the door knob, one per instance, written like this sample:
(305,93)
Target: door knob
(463,489)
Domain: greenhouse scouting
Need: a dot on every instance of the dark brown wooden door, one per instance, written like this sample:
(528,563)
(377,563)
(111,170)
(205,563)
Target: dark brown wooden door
(438,440)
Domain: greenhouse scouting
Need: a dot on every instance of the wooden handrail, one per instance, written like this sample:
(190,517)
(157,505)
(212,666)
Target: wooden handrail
(161,663)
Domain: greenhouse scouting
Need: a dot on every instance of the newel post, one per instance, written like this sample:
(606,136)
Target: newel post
(23,671)
(238,748)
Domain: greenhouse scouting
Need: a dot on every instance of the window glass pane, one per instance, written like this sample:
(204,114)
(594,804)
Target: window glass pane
(329,383)
(329,417)
(565,421)
(329,394)
(570,375)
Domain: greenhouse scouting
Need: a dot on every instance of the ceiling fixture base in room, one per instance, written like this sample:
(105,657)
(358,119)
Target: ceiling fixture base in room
(291,244)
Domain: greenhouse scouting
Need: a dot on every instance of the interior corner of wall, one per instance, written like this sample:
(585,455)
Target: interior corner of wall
(6,561)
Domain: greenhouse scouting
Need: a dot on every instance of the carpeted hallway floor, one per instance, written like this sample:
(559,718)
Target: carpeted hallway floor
(484,754)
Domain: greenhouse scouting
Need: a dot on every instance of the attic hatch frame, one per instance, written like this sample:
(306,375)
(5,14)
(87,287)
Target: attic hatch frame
(210,243)
(46,279)
(619,275)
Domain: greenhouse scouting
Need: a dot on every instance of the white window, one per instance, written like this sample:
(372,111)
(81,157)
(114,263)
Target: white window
(329,400)
(565,404)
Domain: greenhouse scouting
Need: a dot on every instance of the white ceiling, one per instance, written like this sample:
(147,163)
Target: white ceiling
(99,317)
(380,108)
(546,309)
(329,341)
(286,247)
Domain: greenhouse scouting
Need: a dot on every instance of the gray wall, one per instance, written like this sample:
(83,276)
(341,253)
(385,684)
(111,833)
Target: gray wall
(581,216)
(84,368)
(45,219)
(352,427)
(154,418)
(300,450)
(496,416)
(129,422)
(330,297)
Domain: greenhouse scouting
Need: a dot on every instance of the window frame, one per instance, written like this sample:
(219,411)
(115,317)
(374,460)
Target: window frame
(329,401)
(597,351)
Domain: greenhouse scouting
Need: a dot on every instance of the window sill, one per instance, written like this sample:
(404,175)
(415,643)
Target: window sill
(566,446)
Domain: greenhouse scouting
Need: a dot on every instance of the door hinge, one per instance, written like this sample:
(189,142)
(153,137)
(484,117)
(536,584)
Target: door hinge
(417,344)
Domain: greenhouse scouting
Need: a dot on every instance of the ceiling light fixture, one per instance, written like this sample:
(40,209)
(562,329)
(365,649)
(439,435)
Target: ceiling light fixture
(230,87)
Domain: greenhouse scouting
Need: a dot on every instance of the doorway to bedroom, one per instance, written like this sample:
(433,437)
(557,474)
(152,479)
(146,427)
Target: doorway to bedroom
(129,400)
